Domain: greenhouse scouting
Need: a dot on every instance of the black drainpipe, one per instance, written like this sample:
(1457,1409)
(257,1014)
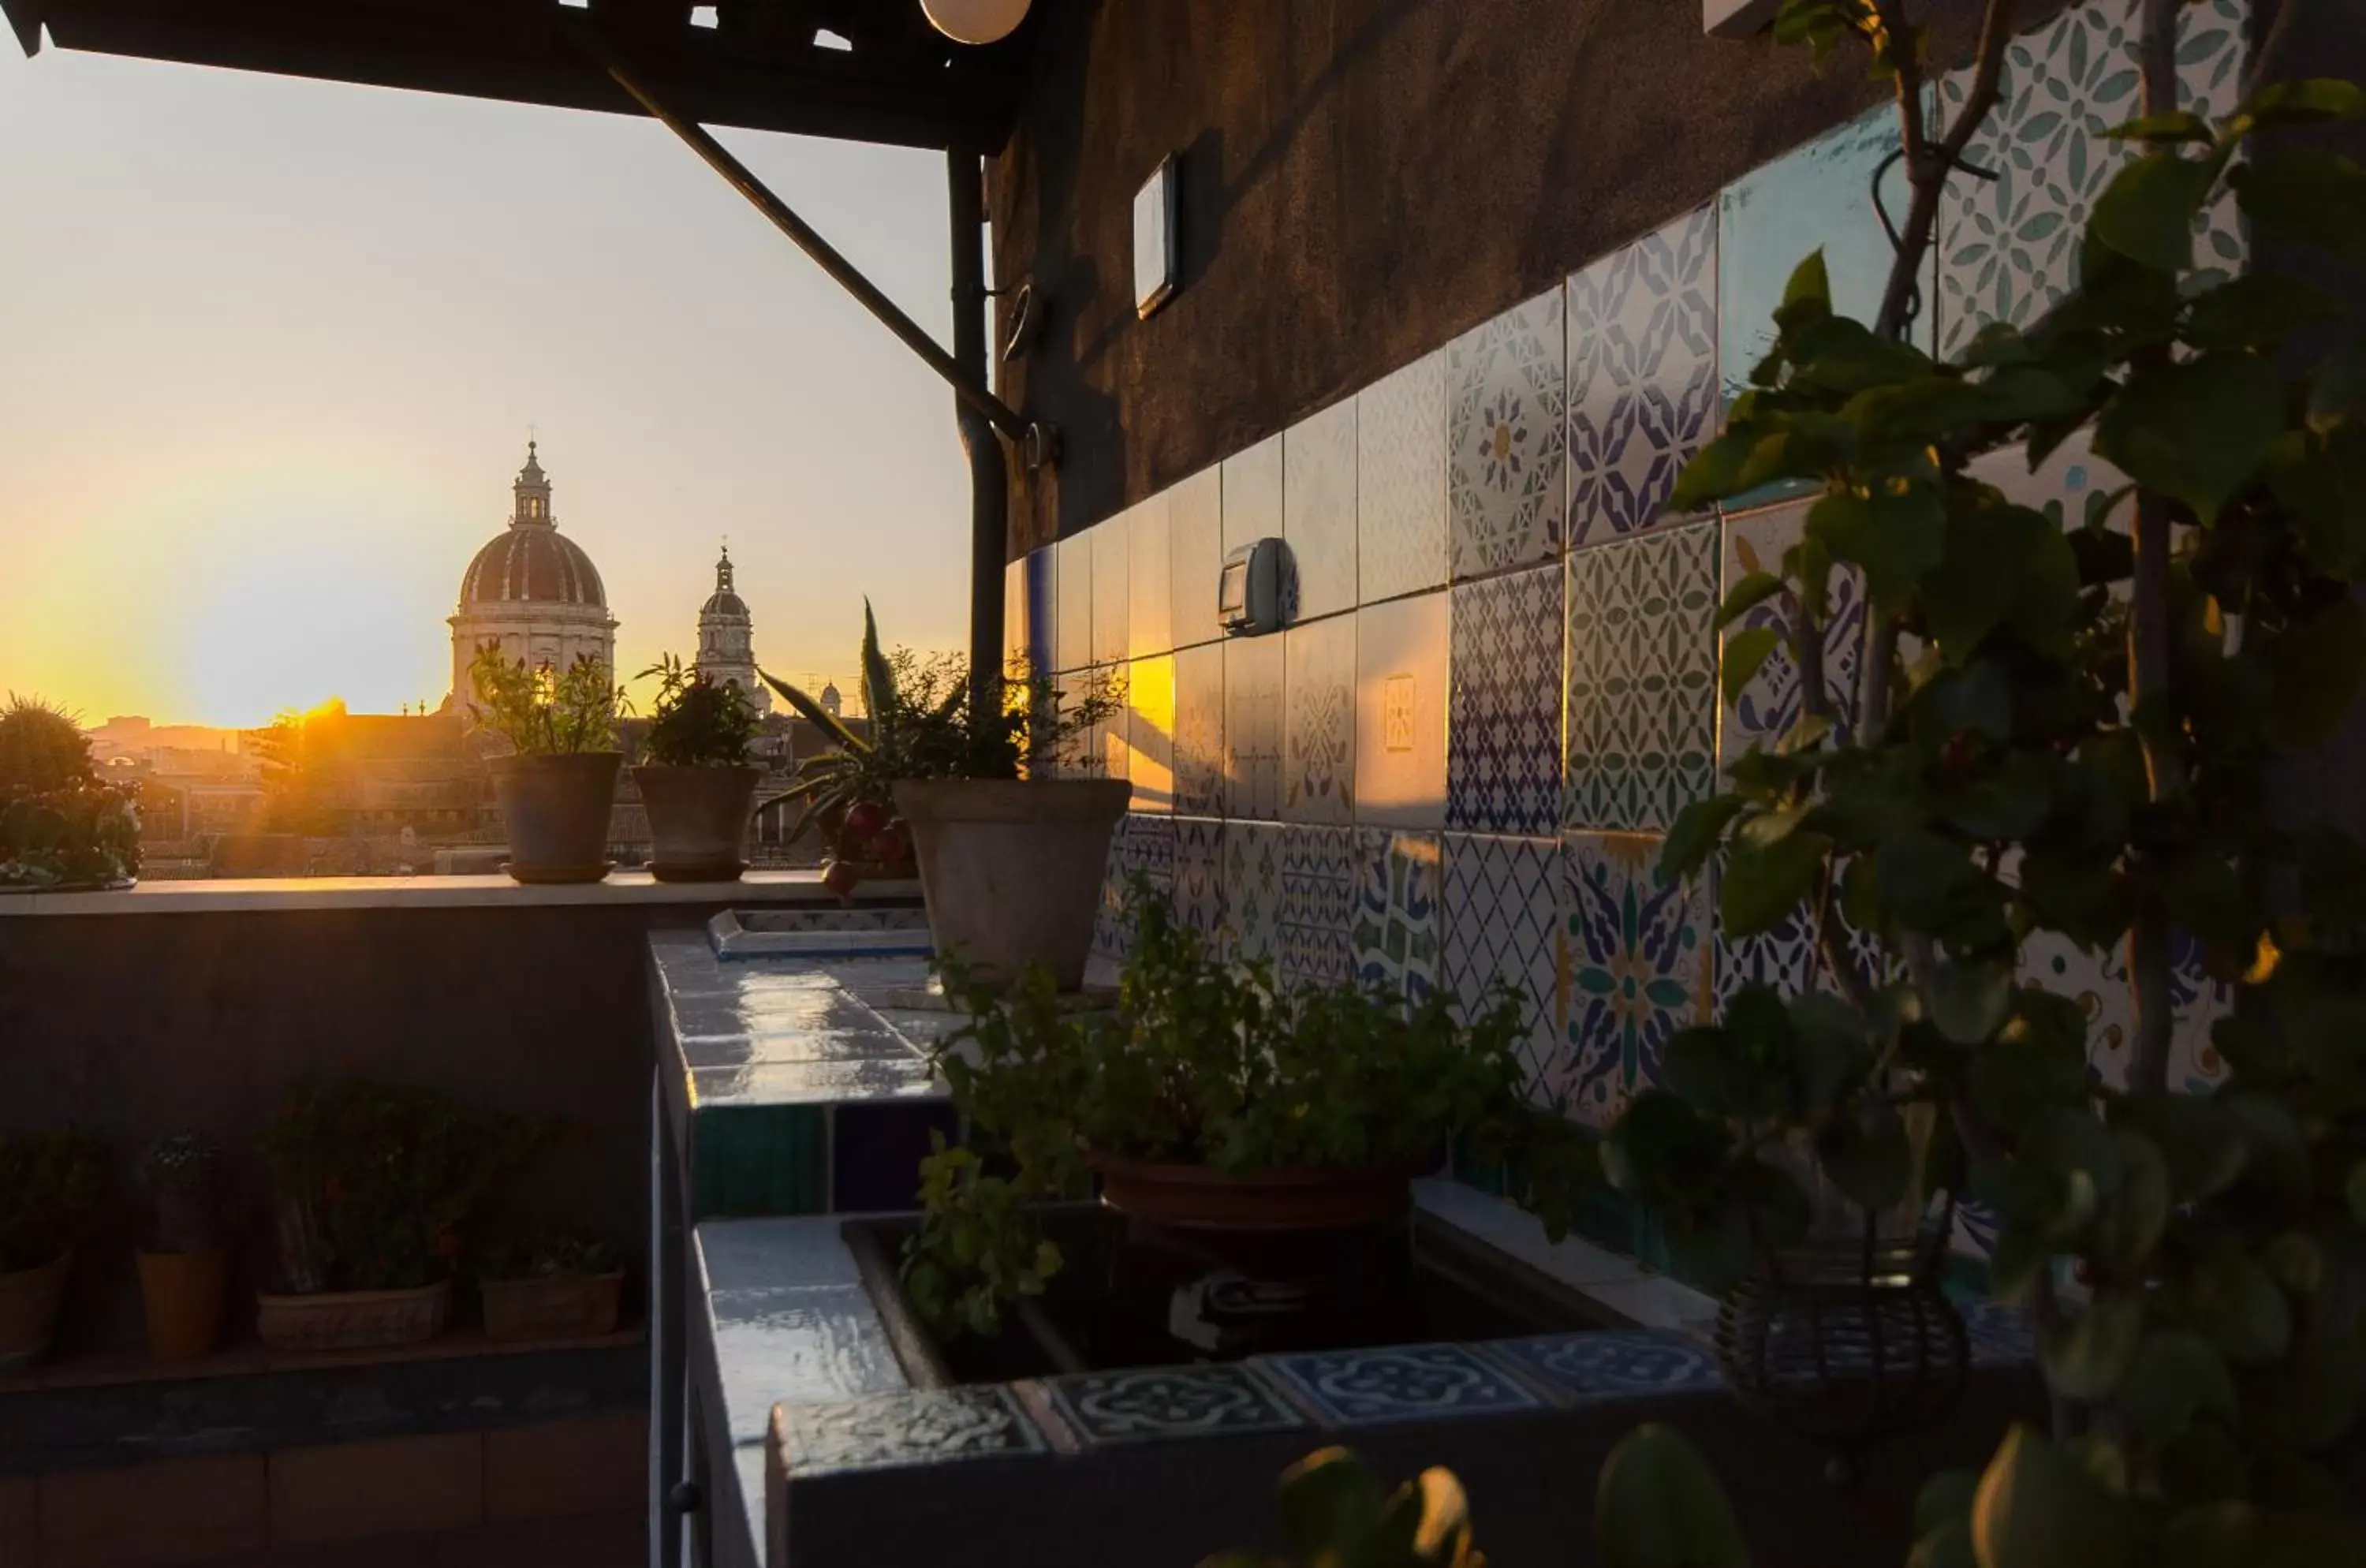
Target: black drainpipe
(988,474)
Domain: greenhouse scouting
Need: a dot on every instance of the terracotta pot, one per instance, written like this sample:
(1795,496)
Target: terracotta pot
(185,1294)
(30,1298)
(1195,1197)
(558,810)
(698,818)
(552,1306)
(353,1320)
(1012,868)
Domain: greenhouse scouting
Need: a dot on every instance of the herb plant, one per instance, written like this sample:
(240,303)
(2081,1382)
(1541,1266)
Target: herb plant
(49,1179)
(698,722)
(542,712)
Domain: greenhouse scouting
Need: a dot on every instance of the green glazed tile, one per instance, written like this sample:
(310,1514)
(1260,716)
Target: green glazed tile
(758,1160)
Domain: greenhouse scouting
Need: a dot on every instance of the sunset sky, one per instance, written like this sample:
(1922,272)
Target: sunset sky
(270,350)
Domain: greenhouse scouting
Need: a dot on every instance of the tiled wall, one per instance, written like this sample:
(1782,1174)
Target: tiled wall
(1499,683)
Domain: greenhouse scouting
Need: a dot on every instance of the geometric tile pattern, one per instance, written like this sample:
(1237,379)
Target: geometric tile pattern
(1252,853)
(1319,702)
(1402,1383)
(1506,442)
(1401,480)
(1786,955)
(913,1427)
(1169,1402)
(2008,249)
(1394,941)
(1503,753)
(1503,929)
(1252,727)
(1612,1363)
(1639,970)
(1318,510)
(1142,848)
(1642,678)
(1642,375)
(1770,704)
(1200,878)
(1318,903)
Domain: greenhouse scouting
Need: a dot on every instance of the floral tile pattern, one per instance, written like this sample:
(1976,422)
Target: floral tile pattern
(1319,740)
(1252,495)
(1394,941)
(1504,747)
(1506,448)
(913,1426)
(1642,375)
(1611,1363)
(1143,846)
(1318,904)
(1642,678)
(1252,727)
(1199,730)
(1318,510)
(1401,695)
(1770,704)
(2008,248)
(1169,1402)
(1784,957)
(1252,853)
(1073,642)
(1402,1383)
(1401,480)
(1149,597)
(1195,543)
(1502,926)
(1640,968)
(1200,878)
(1112,546)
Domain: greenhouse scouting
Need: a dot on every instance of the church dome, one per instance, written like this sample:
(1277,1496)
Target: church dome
(723,601)
(531,562)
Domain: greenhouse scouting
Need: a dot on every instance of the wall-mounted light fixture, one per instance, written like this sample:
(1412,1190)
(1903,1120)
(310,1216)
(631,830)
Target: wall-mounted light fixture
(974,21)
(1153,239)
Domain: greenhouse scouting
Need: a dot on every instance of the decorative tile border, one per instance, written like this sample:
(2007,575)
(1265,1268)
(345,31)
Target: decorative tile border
(1642,680)
(894,1431)
(1504,742)
(1586,1366)
(1399,1382)
(1506,448)
(1394,943)
(1640,968)
(1401,480)
(1159,1402)
(1318,510)
(1503,925)
(1319,731)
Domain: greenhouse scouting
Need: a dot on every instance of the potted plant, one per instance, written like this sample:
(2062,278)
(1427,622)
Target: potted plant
(558,783)
(47,1181)
(62,827)
(552,1287)
(183,1268)
(1010,860)
(1209,1100)
(376,1186)
(699,783)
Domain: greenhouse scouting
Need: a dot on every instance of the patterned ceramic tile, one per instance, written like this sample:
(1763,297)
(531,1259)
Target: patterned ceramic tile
(1150,732)
(1817,197)
(1401,696)
(1642,375)
(2008,248)
(1503,748)
(1195,540)
(2194,1065)
(1318,510)
(1252,853)
(1149,591)
(1642,723)
(1401,480)
(1112,546)
(916,1427)
(1394,941)
(1169,1402)
(1318,905)
(1506,441)
(1784,957)
(1143,847)
(2071,480)
(1319,732)
(1199,877)
(1769,705)
(2099,983)
(1612,1363)
(1199,729)
(1401,1383)
(1639,968)
(1252,727)
(1252,495)
(1503,926)
(1072,644)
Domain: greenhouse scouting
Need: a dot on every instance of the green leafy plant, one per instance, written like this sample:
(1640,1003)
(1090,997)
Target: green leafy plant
(48,1178)
(544,712)
(392,1176)
(698,722)
(1336,1515)
(552,1255)
(183,1175)
(1201,1063)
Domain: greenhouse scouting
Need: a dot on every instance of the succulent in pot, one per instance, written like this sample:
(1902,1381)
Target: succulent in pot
(61,826)
(558,786)
(959,784)
(48,1179)
(184,1267)
(557,1286)
(698,782)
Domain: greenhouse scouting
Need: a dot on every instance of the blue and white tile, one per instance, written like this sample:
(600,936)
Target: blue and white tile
(1254,727)
(1318,905)
(1200,878)
(1401,699)
(1150,732)
(1161,1403)
(1072,644)
(1504,742)
(1112,590)
(1395,941)
(816,1343)
(914,1427)
(1770,704)
(1140,850)
(1399,1382)
(1252,494)
(1640,971)
(1401,480)
(1318,511)
(1319,731)
(1642,715)
(1503,928)
(1199,750)
(1506,454)
(1643,391)
(1586,1366)
(1253,895)
(1149,586)
(1195,538)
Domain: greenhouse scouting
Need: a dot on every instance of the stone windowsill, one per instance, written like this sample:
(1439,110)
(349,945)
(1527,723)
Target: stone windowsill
(228,895)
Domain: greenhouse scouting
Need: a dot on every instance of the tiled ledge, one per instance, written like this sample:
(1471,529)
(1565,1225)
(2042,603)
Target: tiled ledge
(229,894)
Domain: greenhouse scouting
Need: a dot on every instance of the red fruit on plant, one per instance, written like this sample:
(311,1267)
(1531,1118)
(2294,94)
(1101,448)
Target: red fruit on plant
(893,844)
(864,820)
(840,877)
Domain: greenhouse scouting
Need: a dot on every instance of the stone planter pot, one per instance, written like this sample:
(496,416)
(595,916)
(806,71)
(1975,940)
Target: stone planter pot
(553,1307)
(1011,869)
(557,809)
(698,818)
(353,1320)
(1195,1197)
(186,1295)
(30,1298)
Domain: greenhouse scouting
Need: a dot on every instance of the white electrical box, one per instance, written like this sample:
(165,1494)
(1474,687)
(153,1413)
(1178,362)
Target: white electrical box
(1154,251)
(1248,594)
